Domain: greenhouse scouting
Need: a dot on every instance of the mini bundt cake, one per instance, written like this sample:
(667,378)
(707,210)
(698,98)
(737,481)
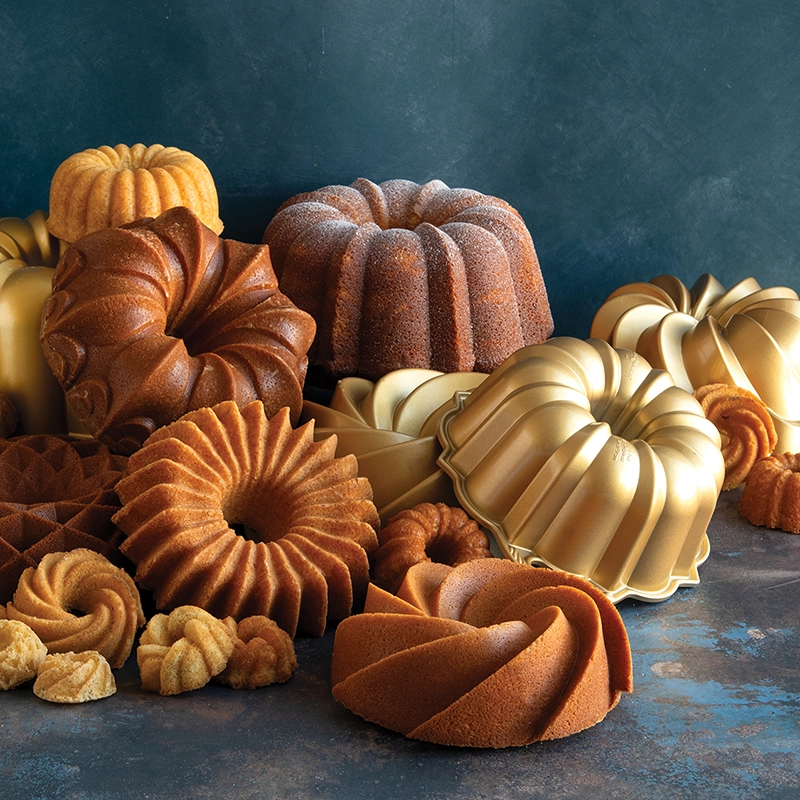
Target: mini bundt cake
(427,532)
(745,426)
(21,652)
(303,522)
(487,654)
(771,494)
(79,601)
(74,678)
(744,336)
(56,494)
(106,187)
(400,275)
(583,458)
(161,317)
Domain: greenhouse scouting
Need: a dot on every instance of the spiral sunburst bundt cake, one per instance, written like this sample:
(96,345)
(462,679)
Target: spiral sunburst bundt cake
(80,601)
(428,532)
(487,654)
(581,457)
(305,522)
(771,494)
(106,187)
(74,678)
(56,494)
(401,275)
(155,319)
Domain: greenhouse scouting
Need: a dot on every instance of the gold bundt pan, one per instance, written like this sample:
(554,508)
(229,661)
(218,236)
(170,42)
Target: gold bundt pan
(581,457)
(390,426)
(744,336)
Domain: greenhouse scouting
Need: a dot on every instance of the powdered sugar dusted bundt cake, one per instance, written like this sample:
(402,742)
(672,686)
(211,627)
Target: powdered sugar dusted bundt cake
(152,320)
(487,654)
(106,187)
(401,275)
(304,522)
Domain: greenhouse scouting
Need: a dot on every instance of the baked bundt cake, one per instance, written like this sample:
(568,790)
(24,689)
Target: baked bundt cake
(155,319)
(583,458)
(744,336)
(771,494)
(106,187)
(303,521)
(56,494)
(74,678)
(491,653)
(80,601)
(21,652)
(400,275)
(745,426)
(427,532)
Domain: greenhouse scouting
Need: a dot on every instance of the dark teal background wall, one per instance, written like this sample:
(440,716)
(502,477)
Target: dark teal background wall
(636,137)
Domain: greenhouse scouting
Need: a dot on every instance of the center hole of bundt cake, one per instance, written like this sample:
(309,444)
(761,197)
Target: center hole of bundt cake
(269,526)
(443,550)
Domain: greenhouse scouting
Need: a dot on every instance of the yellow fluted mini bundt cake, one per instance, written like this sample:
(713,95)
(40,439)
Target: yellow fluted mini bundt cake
(106,187)
(243,515)
(400,275)
(153,320)
(487,654)
(581,457)
(74,678)
(21,652)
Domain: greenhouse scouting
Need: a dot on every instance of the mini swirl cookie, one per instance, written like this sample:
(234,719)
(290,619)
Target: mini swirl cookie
(745,425)
(427,532)
(262,654)
(21,652)
(183,650)
(78,601)
(74,678)
(492,653)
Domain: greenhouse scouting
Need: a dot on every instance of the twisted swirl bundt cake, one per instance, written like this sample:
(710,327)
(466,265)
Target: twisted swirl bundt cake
(56,494)
(106,187)
(80,601)
(304,522)
(153,320)
(74,678)
(401,275)
(771,494)
(744,336)
(583,458)
(487,654)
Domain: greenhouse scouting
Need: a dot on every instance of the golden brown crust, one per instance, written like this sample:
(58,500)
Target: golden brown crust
(771,494)
(9,418)
(744,422)
(74,678)
(21,652)
(427,532)
(79,601)
(502,654)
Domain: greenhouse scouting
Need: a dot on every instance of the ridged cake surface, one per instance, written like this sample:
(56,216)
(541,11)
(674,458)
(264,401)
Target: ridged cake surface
(581,457)
(491,653)
(74,678)
(771,494)
(401,275)
(56,494)
(106,187)
(243,515)
(151,321)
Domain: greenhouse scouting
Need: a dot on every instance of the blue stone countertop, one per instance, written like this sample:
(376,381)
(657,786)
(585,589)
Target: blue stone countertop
(715,713)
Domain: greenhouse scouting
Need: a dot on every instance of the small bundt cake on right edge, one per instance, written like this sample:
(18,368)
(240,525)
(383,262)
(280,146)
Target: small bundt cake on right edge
(771,494)
(400,275)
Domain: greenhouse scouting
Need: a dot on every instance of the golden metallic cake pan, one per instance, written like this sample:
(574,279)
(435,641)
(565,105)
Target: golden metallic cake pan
(581,457)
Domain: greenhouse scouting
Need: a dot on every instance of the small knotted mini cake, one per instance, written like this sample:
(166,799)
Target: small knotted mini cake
(427,532)
(80,601)
(182,651)
(745,426)
(771,494)
(262,654)
(491,653)
(21,652)
(74,678)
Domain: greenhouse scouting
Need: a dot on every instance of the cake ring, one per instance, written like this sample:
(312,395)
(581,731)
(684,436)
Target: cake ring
(161,317)
(580,457)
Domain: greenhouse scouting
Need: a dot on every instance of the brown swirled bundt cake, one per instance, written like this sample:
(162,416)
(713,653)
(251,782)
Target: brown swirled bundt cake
(106,187)
(771,494)
(401,275)
(155,319)
(243,515)
(491,653)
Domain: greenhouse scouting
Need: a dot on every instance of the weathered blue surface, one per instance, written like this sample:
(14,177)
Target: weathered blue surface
(715,714)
